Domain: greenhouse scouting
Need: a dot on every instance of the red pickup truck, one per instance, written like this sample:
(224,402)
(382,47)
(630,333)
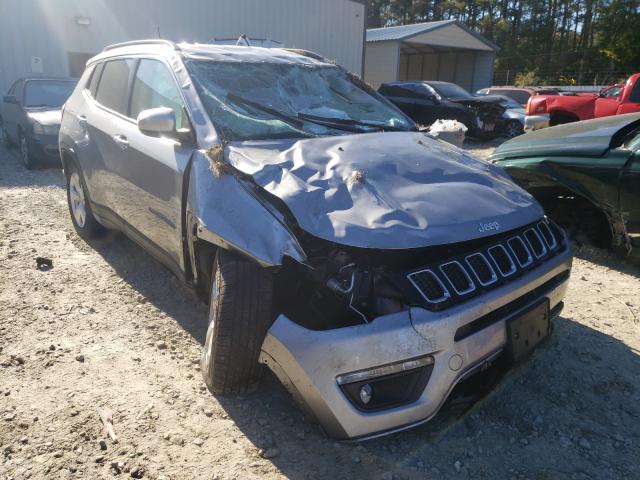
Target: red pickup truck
(549,110)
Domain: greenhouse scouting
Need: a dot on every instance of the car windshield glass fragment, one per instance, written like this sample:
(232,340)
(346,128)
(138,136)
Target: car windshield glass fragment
(47,93)
(450,90)
(280,100)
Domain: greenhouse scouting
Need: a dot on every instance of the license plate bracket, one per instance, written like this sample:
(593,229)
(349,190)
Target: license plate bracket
(527,330)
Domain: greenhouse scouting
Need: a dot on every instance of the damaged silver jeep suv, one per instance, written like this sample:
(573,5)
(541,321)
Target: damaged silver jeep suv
(371,267)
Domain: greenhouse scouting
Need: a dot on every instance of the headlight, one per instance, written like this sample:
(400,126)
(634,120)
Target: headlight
(40,129)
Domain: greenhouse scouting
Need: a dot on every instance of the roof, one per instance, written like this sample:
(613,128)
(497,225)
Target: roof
(211,52)
(405,32)
(402,32)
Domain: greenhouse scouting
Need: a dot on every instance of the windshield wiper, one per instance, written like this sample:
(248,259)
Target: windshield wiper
(296,121)
(348,122)
(290,119)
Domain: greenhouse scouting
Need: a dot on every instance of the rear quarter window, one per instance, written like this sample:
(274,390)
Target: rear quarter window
(95,79)
(113,87)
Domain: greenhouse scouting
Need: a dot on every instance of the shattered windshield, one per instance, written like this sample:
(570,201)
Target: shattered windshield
(280,100)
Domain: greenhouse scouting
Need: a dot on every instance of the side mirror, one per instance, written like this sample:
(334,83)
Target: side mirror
(10,99)
(157,121)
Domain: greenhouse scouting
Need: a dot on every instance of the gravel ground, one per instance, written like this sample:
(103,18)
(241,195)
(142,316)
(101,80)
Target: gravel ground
(108,327)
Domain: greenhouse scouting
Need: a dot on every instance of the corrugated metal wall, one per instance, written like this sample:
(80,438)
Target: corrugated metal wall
(468,68)
(381,63)
(49,29)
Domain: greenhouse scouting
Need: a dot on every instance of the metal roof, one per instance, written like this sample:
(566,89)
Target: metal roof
(405,32)
(401,32)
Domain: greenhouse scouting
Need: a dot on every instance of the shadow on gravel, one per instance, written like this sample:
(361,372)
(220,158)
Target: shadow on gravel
(154,282)
(607,258)
(18,176)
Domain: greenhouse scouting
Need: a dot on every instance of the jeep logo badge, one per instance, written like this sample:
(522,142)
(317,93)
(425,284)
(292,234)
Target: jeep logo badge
(487,227)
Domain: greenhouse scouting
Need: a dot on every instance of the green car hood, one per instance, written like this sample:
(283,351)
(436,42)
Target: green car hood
(591,138)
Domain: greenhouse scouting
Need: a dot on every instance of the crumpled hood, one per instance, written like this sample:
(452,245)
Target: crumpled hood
(590,138)
(46,117)
(385,190)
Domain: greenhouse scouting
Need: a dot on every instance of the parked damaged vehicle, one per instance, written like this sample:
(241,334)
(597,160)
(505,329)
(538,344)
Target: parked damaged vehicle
(427,101)
(372,268)
(30,115)
(585,174)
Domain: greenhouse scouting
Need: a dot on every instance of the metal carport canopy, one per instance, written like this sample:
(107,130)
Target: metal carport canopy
(466,57)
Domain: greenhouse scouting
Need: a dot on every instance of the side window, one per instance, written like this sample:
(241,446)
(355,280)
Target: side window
(153,87)
(635,93)
(95,78)
(113,86)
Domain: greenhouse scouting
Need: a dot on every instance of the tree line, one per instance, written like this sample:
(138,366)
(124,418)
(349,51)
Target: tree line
(545,42)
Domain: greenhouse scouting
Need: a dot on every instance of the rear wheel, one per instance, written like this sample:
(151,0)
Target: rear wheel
(79,206)
(25,153)
(240,313)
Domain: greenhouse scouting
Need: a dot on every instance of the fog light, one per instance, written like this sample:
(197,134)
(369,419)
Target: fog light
(365,393)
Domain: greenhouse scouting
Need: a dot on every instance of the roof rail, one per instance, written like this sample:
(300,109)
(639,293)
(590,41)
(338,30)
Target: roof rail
(156,41)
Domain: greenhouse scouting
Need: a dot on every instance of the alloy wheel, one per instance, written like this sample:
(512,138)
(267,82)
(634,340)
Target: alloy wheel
(77,198)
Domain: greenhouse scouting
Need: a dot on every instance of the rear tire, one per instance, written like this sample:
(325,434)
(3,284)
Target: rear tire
(240,313)
(79,205)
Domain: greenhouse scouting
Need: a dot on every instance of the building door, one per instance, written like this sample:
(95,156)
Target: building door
(77,63)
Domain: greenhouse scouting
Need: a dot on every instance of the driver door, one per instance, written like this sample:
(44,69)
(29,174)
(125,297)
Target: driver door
(154,169)
(607,104)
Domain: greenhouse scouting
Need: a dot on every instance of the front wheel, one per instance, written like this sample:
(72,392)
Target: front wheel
(79,207)
(25,153)
(240,313)
(513,129)
(4,135)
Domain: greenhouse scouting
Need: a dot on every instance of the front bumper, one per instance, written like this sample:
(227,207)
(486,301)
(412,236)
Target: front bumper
(308,362)
(536,122)
(45,148)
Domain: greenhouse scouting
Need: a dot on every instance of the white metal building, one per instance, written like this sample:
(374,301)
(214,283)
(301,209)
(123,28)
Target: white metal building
(56,37)
(446,51)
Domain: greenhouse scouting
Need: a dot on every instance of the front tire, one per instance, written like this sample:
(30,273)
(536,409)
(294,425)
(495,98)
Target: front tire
(25,153)
(79,205)
(240,313)
(4,135)
(512,129)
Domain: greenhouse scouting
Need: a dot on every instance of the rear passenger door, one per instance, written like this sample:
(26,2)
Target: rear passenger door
(105,154)
(153,172)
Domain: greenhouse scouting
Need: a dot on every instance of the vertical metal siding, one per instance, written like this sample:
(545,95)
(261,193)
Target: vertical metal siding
(381,63)
(483,76)
(48,29)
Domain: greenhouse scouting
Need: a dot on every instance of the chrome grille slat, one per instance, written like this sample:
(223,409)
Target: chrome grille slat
(516,243)
(547,234)
(449,270)
(493,278)
(500,248)
(538,252)
(415,279)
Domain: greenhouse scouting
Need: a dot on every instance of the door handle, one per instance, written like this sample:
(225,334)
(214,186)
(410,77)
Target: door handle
(82,119)
(121,141)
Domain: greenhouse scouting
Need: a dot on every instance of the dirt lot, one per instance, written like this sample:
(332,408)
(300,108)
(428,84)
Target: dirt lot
(109,327)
